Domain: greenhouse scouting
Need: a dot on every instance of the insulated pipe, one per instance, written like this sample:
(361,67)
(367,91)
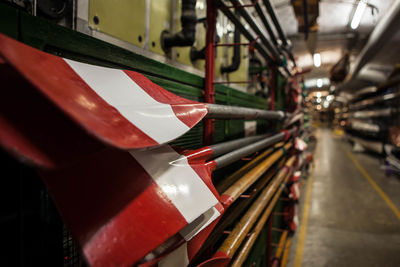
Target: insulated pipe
(258,30)
(242,228)
(240,186)
(187,35)
(231,157)
(236,55)
(230,112)
(225,147)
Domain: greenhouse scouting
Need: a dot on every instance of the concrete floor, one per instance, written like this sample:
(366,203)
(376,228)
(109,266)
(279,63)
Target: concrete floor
(349,223)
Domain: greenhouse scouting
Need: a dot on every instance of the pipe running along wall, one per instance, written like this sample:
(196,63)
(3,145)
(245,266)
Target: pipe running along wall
(236,55)
(187,35)
(247,150)
(242,228)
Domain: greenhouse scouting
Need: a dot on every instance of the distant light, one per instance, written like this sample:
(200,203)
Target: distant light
(326,104)
(318,94)
(319,107)
(330,98)
(319,83)
(318,100)
(355,22)
(317,60)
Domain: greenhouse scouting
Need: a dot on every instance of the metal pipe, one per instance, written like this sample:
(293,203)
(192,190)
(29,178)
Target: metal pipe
(386,112)
(286,252)
(249,36)
(228,181)
(186,36)
(237,210)
(231,157)
(240,186)
(264,20)
(374,100)
(258,30)
(236,55)
(238,234)
(280,248)
(246,247)
(274,19)
(225,147)
(230,112)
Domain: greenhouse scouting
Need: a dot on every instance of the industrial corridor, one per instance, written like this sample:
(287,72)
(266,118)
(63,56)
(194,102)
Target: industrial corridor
(351,214)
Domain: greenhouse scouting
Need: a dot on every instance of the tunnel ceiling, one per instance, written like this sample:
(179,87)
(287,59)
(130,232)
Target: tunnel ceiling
(334,35)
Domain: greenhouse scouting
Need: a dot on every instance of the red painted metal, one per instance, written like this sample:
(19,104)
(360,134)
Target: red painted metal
(209,93)
(62,87)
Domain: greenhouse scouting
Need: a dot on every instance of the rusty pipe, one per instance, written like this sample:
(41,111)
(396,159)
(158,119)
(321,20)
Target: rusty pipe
(234,240)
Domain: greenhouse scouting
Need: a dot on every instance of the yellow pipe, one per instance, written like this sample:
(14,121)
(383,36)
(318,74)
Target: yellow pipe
(225,183)
(246,248)
(286,252)
(233,241)
(280,248)
(235,190)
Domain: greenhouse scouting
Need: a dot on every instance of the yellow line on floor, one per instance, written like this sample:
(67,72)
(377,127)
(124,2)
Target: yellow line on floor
(303,224)
(374,185)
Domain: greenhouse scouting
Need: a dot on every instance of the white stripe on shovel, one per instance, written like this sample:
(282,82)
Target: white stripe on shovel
(155,119)
(173,174)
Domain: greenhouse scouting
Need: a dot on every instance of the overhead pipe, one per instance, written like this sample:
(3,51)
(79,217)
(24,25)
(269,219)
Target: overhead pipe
(277,25)
(249,36)
(271,33)
(264,20)
(187,35)
(236,55)
(258,30)
(272,192)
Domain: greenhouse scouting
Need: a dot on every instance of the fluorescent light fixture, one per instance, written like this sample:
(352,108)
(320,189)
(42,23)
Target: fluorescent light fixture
(319,83)
(355,22)
(317,59)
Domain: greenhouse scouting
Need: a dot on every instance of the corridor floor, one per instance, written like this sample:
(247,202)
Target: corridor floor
(351,221)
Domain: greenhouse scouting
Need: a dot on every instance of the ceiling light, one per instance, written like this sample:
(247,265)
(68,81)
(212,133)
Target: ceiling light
(317,60)
(318,94)
(319,83)
(355,22)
